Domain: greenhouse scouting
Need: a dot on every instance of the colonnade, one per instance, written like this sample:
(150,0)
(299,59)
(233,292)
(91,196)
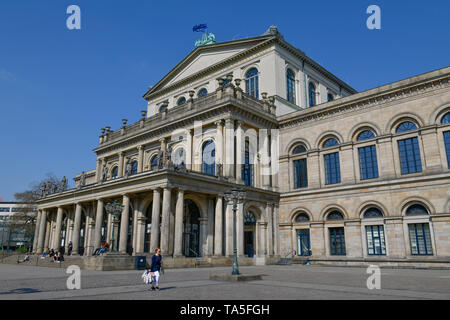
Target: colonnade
(167,230)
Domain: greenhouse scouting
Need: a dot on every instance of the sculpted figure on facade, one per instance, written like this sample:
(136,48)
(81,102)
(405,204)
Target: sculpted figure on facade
(63,184)
(128,168)
(160,159)
(104,173)
(82,180)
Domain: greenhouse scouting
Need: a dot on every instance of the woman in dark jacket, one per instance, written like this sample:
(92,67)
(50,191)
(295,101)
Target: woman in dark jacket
(155,268)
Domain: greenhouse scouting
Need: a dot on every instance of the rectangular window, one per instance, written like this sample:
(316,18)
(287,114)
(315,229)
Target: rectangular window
(332,169)
(337,242)
(300,174)
(368,162)
(376,245)
(447,146)
(420,239)
(303,242)
(4,209)
(409,156)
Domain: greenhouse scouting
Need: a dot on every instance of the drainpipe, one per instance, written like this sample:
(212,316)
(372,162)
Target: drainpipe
(304,83)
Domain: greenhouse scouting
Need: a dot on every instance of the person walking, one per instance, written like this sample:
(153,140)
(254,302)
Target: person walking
(155,269)
(70,248)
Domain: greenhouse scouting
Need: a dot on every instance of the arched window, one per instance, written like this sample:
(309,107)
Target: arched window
(302,218)
(298,150)
(312,94)
(181,101)
(249,219)
(330,97)
(416,210)
(368,164)
(406,126)
(154,163)
(251,82)
(365,135)
(209,158)
(134,167)
(290,85)
(115,173)
(203,92)
(247,168)
(335,216)
(446,118)
(332,164)
(419,233)
(163,108)
(180,158)
(332,142)
(372,213)
(409,151)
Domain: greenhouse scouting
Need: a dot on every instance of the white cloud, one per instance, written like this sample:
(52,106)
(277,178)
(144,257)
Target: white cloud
(7,76)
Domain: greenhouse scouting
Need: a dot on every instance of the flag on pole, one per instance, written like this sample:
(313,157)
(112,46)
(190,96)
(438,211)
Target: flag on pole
(200,27)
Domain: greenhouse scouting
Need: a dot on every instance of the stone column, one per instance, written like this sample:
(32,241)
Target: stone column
(240,229)
(91,237)
(98,224)
(189,149)
(69,229)
(210,236)
(50,232)
(431,150)
(269,229)
(156,209)
(317,239)
(124,224)
(179,224)
(229,229)
(353,239)
(240,149)
(136,215)
(229,148)
(140,233)
(98,171)
(275,158)
(109,229)
(59,216)
(121,156)
(36,231)
(395,239)
(264,239)
(76,231)
(42,225)
(140,159)
(386,158)
(219,147)
(203,236)
(276,225)
(167,195)
(218,226)
(265,160)
(47,235)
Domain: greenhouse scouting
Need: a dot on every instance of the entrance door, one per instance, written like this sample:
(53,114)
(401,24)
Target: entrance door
(249,246)
(191,233)
(303,242)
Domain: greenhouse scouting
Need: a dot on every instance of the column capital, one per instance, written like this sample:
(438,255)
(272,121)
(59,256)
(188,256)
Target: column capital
(121,153)
(141,147)
(162,140)
(239,123)
(219,123)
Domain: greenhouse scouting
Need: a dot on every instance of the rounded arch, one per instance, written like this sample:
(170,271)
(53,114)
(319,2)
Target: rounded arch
(202,92)
(199,202)
(248,68)
(256,208)
(295,142)
(360,127)
(437,115)
(397,120)
(416,201)
(330,208)
(181,101)
(328,135)
(371,204)
(297,211)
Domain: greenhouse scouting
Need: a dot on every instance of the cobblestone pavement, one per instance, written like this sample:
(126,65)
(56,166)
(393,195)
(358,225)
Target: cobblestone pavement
(279,282)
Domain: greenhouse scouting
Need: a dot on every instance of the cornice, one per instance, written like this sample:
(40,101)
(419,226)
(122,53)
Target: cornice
(361,103)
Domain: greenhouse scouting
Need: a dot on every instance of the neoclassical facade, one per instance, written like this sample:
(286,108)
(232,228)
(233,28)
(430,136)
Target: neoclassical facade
(331,175)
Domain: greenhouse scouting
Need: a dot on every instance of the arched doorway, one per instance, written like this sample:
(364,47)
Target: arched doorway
(249,234)
(191,229)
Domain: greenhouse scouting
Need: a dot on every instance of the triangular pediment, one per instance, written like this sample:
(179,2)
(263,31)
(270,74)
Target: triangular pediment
(205,57)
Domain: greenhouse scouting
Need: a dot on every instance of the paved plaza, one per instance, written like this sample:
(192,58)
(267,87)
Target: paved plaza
(278,282)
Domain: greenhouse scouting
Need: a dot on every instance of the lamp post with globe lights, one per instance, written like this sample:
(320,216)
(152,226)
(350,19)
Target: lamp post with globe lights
(115,209)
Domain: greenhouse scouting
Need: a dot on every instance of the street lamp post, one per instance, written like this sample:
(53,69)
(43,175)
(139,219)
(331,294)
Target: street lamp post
(235,196)
(115,209)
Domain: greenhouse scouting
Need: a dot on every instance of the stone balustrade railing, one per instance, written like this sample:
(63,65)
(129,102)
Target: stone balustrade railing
(191,107)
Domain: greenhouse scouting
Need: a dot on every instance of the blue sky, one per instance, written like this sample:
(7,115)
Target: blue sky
(59,87)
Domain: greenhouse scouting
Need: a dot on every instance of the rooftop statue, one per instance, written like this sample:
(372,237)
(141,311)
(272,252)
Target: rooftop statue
(207,38)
